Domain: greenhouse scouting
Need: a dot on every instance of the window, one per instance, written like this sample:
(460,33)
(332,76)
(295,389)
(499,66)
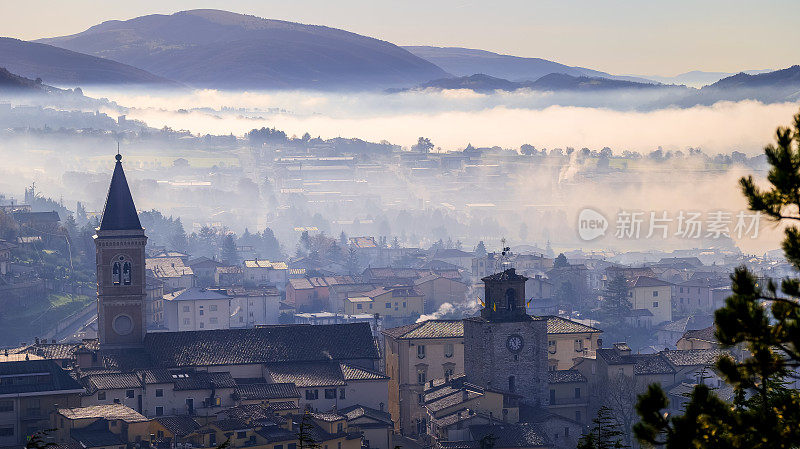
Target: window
(201,311)
(202,325)
(312,395)
(330,393)
(420,398)
(448,373)
(242,434)
(278,446)
(339,445)
(655,293)
(116,273)
(511,386)
(421,377)
(339,428)
(101,395)
(552,397)
(448,350)
(159,392)
(551,346)
(186,321)
(359,306)
(578,345)
(421,351)
(655,303)
(404,304)
(341,393)
(388,305)
(578,415)
(6,431)
(6,406)
(291,446)
(577,393)
(126,273)
(116,400)
(213,307)
(566,431)
(214,320)
(681,289)
(159,410)
(185,308)
(129,394)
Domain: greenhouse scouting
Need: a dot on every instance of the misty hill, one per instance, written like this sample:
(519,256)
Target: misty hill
(780,85)
(64,67)
(12,82)
(551,82)
(222,49)
(697,78)
(467,61)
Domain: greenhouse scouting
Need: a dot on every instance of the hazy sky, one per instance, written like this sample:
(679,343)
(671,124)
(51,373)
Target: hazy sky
(663,37)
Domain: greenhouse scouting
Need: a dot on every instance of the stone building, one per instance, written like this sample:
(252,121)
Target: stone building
(504,347)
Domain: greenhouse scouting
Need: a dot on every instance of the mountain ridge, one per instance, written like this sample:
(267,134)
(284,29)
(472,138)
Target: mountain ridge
(60,66)
(214,48)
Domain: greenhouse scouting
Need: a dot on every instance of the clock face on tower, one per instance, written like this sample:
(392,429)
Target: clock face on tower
(514,343)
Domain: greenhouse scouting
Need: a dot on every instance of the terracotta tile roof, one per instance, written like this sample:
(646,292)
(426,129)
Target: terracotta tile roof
(565,376)
(167,267)
(428,329)
(292,343)
(352,372)
(357,411)
(651,364)
(108,411)
(178,425)
(314,374)
(705,334)
(558,325)
(111,381)
(267,391)
(647,281)
(520,435)
(202,380)
(692,357)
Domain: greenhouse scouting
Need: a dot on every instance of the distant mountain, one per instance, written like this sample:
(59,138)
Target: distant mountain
(222,49)
(467,61)
(697,78)
(68,68)
(777,86)
(551,82)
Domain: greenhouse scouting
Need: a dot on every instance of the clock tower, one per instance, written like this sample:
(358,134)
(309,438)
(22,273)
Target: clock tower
(119,246)
(504,347)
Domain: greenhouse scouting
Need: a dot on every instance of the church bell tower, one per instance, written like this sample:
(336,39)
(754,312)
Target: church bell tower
(120,244)
(504,347)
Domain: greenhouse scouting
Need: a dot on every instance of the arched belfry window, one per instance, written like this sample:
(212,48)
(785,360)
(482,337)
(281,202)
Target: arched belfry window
(116,273)
(511,299)
(126,273)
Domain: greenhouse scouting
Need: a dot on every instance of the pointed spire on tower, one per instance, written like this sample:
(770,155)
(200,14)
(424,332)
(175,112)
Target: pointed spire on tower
(119,212)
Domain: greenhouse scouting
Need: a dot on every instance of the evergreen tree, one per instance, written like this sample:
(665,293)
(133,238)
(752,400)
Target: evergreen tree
(763,318)
(178,240)
(229,254)
(352,261)
(560,261)
(343,239)
(615,298)
(605,434)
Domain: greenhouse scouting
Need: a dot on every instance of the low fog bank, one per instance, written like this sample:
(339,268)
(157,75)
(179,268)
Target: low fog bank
(454,119)
(526,177)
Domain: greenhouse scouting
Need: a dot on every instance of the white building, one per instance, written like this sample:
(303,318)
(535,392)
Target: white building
(254,307)
(264,272)
(193,309)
